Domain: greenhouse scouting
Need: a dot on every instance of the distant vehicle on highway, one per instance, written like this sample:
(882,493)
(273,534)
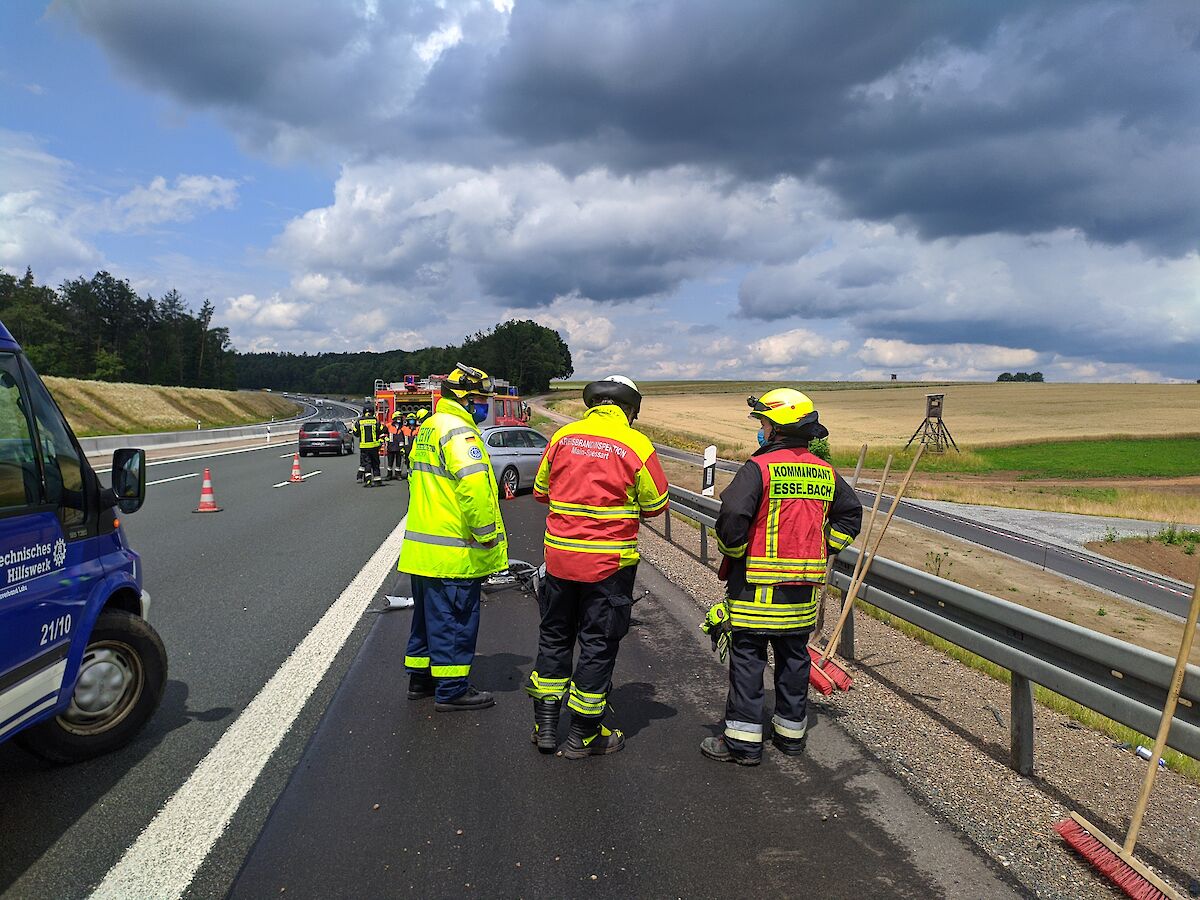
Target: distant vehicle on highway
(516,452)
(81,669)
(325,437)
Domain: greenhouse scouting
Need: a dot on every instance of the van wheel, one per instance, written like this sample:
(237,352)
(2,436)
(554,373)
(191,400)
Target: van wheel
(120,685)
(510,479)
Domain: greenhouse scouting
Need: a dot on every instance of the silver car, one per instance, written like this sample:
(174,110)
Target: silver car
(516,452)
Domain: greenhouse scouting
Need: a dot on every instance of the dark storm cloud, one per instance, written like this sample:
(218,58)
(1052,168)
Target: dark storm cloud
(957,118)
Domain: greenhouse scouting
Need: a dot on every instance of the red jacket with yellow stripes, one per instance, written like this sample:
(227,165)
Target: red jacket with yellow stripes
(600,478)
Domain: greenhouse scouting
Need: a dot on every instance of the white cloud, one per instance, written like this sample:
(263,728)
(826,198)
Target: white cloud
(159,202)
(797,347)
(948,357)
(273,313)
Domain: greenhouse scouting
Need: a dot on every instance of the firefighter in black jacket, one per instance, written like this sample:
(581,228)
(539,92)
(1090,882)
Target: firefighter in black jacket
(784,513)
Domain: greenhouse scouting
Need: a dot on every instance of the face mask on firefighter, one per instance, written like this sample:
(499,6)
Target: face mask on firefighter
(479,411)
(762,438)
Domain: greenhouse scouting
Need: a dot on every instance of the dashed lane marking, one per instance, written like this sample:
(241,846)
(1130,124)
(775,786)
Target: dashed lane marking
(302,478)
(179,459)
(165,857)
(174,478)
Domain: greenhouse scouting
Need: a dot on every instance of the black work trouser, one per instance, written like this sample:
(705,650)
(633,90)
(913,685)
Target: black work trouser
(744,706)
(596,614)
(393,461)
(368,461)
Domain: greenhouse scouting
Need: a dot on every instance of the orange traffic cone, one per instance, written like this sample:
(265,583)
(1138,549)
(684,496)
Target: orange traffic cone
(208,500)
(508,492)
(296,477)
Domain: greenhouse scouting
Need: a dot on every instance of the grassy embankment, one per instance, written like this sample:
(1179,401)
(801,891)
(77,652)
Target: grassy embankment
(97,407)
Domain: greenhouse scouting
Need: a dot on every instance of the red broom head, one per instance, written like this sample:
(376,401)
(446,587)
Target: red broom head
(839,676)
(814,654)
(820,681)
(1107,863)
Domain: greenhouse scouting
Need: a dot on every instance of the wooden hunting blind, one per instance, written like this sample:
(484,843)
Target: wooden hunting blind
(933,431)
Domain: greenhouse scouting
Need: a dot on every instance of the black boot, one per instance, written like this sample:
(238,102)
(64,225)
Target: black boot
(716,748)
(420,686)
(470,699)
(589,737)
(789,746)
(545,724)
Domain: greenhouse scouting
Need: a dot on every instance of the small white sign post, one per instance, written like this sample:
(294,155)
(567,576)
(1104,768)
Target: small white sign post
(709,484)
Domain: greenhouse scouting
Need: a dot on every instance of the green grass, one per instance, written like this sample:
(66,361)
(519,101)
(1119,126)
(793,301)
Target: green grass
(1179,762)
(1173,534)
(1144,457)
(1147,457)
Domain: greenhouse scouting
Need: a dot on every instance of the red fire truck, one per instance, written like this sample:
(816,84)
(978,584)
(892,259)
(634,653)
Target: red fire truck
(415,393)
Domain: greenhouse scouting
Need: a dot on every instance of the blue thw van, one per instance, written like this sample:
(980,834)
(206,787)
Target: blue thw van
(81,670)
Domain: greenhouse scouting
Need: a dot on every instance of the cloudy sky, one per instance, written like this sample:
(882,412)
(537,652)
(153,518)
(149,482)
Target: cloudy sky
(683,188)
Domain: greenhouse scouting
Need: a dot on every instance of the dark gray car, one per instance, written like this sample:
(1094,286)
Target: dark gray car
(325,437)
(516,453)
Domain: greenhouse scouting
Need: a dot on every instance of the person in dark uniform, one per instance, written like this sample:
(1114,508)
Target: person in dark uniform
(785,512)
(366,429)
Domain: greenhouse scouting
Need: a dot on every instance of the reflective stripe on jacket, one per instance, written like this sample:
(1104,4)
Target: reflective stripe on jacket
(366,430)
(784,513)
(599,477)
(454,528)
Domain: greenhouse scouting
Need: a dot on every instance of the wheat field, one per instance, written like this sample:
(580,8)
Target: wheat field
(976,414)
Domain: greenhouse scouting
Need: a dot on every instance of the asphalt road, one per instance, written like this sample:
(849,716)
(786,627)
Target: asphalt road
(233,594)
(392,798)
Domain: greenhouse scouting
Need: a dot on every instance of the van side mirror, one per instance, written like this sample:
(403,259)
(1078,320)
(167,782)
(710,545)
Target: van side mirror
(129,478)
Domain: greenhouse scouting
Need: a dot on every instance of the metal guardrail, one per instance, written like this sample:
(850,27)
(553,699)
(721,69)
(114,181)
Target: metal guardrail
(1124,682)
(110,442)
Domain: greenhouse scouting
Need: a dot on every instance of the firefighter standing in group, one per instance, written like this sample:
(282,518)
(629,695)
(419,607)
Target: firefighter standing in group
(395,446)
(600,478)
(367,430)
(454,539)
(785,512)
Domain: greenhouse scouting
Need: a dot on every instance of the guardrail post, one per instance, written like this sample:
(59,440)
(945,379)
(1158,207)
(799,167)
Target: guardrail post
(1021,725)
(667,523)
(704,544)
(846,645)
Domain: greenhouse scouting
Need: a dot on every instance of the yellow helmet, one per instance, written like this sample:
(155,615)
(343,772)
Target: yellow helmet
(466,380)
(422,415)
(786,407)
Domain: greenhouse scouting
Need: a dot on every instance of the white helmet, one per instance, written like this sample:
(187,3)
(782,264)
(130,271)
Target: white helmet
(615,389)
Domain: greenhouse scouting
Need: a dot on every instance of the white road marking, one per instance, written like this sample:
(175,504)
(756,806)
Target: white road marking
(174,478)
(179,459)
(165,857)
(302,477)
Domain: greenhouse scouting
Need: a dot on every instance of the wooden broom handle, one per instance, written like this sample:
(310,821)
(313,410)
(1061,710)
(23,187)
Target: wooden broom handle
(862,455)
(1164,724)
(860,574)
(841,622)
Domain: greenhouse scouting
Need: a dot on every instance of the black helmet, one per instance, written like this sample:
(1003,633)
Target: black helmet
(617,390)
(368,409)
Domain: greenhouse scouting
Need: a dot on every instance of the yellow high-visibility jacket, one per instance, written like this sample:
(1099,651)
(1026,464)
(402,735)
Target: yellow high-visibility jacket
(454,528)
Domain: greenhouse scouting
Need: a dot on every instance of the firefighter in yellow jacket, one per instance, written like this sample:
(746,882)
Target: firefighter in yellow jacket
(453,540)
(783,514)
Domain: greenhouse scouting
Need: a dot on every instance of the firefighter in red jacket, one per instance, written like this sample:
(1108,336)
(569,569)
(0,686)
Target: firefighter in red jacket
(785,512)
(600,478)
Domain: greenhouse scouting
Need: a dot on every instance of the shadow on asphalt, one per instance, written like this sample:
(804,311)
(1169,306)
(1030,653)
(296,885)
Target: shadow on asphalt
(634,707)
(43,800)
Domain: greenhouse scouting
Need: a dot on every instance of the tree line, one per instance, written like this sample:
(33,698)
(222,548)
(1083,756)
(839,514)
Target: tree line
(99,328)
(1020,376)
(522,352)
